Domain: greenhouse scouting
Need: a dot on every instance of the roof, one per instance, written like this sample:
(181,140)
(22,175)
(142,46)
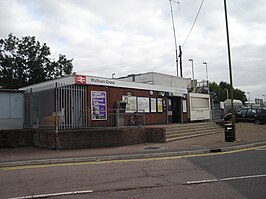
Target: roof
(101,81)
(11,90)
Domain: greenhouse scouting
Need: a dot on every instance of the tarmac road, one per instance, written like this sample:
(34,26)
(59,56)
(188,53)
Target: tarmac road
(245,171)
(164,177)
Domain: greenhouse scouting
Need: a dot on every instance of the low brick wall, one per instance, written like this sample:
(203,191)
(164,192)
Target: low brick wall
(78,139)
(95,138)
(155,134)
(44,138)
(15,138)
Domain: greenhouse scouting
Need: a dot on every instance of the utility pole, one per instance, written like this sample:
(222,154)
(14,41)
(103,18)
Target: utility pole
(180,61)
(230,71)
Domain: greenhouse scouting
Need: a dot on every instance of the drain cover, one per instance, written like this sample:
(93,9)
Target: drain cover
(152,147)
(215,150)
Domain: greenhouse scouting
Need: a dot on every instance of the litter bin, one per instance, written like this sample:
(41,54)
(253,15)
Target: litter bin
(229,133)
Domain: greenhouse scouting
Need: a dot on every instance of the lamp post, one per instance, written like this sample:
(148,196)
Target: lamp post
(206,64)
(226,93)
(248,97)
(230,72)
(191,60)
(113,75)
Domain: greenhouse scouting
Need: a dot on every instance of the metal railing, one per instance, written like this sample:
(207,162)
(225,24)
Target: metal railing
(115,118)
(56,108)
(66,107)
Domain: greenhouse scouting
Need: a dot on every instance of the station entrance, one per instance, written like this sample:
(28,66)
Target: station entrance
(174,110)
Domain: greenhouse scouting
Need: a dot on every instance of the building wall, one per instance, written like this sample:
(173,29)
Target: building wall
(11,110)
(159,79)
(115,94)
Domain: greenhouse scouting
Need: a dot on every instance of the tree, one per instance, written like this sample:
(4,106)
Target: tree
(26,61)
(221,93)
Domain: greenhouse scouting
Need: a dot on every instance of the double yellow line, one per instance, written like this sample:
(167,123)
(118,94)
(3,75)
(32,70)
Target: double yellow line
(127,160)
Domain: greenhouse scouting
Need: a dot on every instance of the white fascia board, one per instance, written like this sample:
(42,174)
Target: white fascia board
(91,80)
(50,84)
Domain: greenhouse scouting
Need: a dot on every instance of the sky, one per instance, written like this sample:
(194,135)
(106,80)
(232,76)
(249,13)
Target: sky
(136,36)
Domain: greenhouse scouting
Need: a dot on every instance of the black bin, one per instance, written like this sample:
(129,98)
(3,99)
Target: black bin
(229,133)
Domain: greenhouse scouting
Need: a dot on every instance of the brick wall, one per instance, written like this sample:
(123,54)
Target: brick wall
(155,134)
(100,138)
(15,138)
(44,139)
(115,94)
(78,139)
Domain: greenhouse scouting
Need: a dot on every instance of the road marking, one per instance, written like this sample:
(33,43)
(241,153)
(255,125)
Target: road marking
(54,194)
(128,160)
(225,179)
(261,149)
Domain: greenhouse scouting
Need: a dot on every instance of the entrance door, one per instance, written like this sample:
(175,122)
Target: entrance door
(176,107)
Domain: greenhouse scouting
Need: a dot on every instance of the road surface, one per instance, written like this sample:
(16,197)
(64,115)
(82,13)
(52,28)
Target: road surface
(239,174)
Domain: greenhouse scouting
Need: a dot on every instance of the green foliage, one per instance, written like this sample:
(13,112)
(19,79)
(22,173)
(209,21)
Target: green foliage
(25,61)
(221,92)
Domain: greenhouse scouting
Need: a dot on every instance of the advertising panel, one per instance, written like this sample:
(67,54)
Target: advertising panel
(98,105)
(160,105)
(153,105)
(143,104)
(131,106)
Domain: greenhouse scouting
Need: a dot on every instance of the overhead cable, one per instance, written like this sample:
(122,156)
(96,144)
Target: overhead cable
(193,23)
(137,61)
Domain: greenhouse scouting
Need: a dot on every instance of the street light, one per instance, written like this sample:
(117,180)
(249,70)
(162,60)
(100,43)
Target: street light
(205,63)
(113,75)
(192,69)
(206,70)
(226,93)
(248,97)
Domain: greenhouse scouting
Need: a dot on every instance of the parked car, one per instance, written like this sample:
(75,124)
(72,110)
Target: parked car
(256,115)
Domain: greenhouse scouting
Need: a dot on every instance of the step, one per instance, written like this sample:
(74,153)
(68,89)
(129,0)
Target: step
(193,124)
(189,136)
(191,133)
(182,131)
(189,126)
(170,131)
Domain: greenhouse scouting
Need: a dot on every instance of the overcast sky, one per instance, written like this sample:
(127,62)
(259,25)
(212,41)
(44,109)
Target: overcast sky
(136,36)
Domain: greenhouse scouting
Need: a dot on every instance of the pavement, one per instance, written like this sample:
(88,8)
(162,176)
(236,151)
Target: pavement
(247,135)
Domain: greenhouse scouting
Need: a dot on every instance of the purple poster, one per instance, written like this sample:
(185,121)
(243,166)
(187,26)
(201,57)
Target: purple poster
(98,105)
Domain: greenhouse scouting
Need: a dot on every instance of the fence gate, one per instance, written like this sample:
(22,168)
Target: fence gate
(60,107)
(71,101)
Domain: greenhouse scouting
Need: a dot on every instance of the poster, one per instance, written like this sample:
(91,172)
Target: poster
(131,106)
(98,105)
(153,105)
(160,105)
(143,104)
(184,106)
